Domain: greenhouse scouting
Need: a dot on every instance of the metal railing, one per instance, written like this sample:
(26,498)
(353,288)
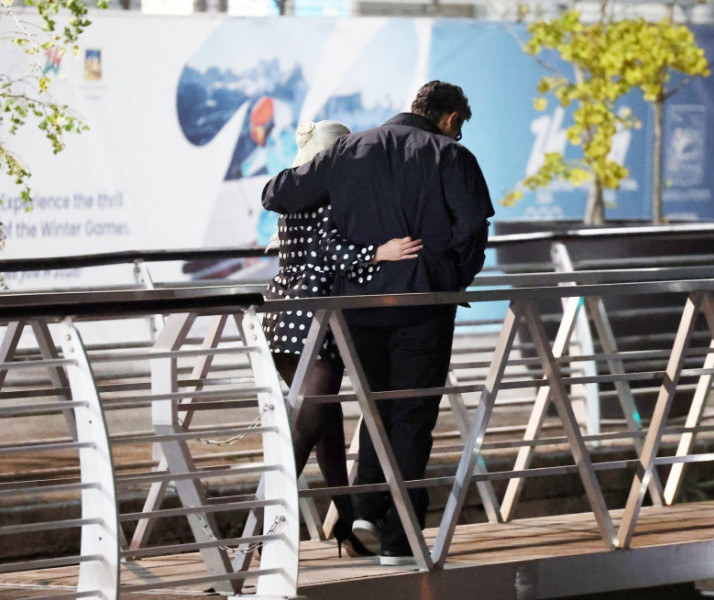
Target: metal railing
(173,399)
(160,425)
(206,385)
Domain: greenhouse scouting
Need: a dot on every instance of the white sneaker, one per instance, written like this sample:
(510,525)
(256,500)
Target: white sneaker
(367,533)
(388,560)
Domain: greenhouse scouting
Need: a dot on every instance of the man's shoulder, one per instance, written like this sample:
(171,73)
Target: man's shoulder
(458,151)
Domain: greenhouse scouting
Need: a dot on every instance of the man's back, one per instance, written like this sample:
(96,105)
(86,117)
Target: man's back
(406,179)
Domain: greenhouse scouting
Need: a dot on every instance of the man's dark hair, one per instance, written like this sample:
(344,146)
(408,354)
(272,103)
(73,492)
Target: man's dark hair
(437,97)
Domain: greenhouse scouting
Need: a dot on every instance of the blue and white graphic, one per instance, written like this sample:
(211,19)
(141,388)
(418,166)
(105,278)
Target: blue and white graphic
(285,82)
(189,121)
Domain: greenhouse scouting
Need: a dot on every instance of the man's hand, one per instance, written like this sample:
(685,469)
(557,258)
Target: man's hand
(398,249)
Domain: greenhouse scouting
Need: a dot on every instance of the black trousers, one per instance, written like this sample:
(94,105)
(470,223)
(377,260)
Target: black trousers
(394,358)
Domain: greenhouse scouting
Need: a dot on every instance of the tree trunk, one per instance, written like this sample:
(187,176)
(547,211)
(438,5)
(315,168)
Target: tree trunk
(595,206)
(657,151)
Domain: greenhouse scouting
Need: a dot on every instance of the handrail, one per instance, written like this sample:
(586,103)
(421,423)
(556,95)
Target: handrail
(495,241)
(123,302)
(127,257)
(680,230)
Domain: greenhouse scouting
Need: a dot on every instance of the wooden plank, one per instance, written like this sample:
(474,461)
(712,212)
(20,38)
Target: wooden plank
(663,536)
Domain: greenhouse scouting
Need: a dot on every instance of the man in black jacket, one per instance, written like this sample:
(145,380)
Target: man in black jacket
(406,178)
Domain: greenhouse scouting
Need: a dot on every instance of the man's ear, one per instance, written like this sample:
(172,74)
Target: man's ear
(454,121)
(449,123)
(443,122)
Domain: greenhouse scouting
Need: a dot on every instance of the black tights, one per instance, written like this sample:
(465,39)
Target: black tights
(320,426)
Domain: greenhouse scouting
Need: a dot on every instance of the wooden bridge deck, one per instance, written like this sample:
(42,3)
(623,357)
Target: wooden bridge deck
(538,558)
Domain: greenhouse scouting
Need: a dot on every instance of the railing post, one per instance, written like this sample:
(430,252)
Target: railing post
(8,344)
(570,425)
(382,446)
(563,264)
(485,488)
(185,415)
(100,539)
(624,393)
(538,413)
(474,439)
(697,407)
(143,278)
(654,434)
(164,415)
(279,557)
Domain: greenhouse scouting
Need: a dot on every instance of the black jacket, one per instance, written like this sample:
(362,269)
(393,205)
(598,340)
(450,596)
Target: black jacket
(403,178)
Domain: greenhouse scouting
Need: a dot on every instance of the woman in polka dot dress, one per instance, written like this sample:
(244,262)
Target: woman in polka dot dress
(310,253)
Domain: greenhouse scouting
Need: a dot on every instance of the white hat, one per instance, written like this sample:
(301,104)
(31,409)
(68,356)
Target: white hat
(312,138)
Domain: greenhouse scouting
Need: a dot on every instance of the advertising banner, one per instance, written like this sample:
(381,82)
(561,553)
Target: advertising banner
(189,117)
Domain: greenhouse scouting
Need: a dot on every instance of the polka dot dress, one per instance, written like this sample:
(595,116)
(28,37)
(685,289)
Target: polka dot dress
(311,253)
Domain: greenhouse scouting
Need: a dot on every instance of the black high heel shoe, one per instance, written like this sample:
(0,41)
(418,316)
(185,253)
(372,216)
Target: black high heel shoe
(344,536)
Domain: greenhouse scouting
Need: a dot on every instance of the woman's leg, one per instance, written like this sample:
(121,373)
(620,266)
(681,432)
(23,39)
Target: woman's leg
(320,426)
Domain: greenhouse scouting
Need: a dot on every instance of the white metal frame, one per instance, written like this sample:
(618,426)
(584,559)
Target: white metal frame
(278,496)
(101,535)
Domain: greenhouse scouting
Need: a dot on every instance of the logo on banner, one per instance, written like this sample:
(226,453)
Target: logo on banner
(92,65)
(686,145)
(53,60)
(550,136)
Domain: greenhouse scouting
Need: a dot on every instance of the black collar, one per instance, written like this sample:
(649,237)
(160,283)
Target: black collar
(414,120)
